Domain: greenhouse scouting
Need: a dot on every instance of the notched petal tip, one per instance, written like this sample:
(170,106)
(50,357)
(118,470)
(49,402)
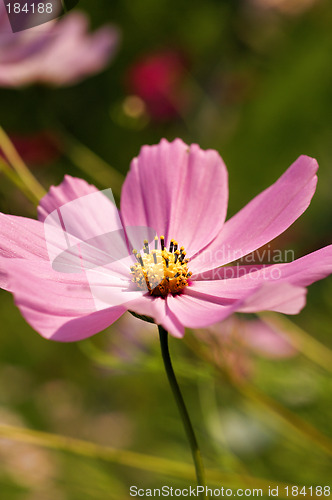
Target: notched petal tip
(309,160)
(71,188)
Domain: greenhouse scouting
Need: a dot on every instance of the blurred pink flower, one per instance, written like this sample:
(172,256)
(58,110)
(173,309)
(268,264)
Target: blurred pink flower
(285,6)
(181,193)
(266,341)
(157,78)
(255,334)
(234,340)
(57,53)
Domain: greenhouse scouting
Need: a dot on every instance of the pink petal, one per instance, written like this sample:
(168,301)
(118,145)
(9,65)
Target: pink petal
(264,218)
(20,238)
(251,295)
(76,214)
(223,290)
(226,272)
(197,311)
(276,296)
(179,191)
(157,309)
(59,306)
(70,189)
(301,272)
(152,307)
(172,324)
(111,285)
(279,287)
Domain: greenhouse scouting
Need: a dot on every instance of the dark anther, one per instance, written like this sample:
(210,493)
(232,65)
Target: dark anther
(182,256)
(140,260)
(146,247)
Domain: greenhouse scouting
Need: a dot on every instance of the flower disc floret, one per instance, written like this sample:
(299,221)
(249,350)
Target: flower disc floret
(161,271)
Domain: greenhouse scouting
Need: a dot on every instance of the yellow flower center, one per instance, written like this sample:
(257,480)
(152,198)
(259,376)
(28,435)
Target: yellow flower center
(161,271)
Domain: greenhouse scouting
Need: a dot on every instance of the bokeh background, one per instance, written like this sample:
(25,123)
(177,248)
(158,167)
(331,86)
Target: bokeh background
(252,79)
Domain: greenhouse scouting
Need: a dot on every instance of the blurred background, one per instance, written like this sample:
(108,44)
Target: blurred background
(252,79)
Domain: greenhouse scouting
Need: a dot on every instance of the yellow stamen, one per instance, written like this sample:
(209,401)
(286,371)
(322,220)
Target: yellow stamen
(162,272)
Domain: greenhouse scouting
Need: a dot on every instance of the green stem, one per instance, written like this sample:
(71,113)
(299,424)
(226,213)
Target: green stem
(22,171)
(15,179)
(195,451)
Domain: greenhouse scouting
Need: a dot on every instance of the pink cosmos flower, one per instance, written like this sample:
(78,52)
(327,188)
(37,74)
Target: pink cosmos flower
(180,280)
(58,52)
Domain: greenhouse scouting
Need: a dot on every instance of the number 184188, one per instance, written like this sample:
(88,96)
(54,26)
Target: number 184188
(318,491)
(40,8)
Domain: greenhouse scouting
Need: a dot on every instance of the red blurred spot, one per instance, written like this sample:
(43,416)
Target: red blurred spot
(158,79)
(36,149)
